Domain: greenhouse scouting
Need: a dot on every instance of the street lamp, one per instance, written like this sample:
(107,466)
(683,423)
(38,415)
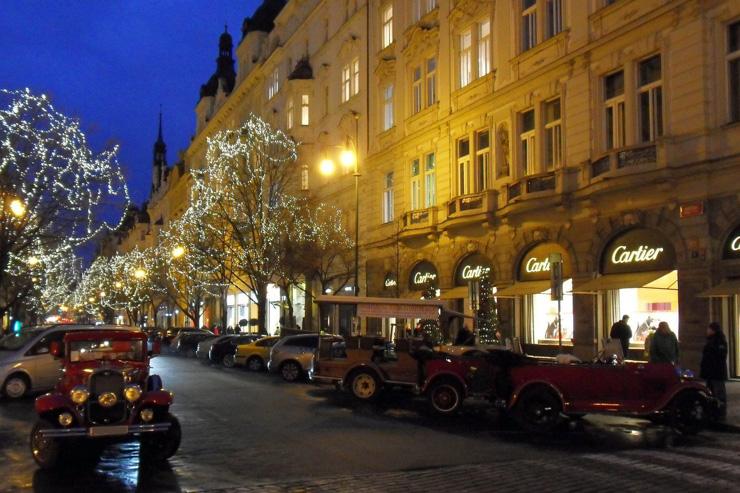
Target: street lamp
(178,251)
(18,208)
(33,261)
(139,273)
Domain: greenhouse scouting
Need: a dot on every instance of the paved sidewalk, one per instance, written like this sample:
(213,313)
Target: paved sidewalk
(732,422)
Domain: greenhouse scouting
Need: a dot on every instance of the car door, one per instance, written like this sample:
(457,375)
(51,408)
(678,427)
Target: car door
(45,369)
(591,387)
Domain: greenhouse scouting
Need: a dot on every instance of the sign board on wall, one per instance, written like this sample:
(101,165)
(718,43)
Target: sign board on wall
(535,264)
(390,282)
(423,275)
(731,248)
(471,268)
(638,250)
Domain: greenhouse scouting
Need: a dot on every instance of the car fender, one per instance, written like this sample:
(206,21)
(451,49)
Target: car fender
(53,402)
(665,401)
(443,375)
(528,385)
(157,398)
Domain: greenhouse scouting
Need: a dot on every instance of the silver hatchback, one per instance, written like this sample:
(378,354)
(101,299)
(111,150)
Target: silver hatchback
(26,363)
(292,356)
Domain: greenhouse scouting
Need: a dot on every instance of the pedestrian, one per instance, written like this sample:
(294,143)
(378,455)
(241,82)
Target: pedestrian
(622,331)
(714,365)
(648,342)
(464,336)
(664,346)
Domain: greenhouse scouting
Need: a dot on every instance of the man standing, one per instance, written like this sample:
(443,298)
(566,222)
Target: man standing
(664,347)
(622,331)
(714,365)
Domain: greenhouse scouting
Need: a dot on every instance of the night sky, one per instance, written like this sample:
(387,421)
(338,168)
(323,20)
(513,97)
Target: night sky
(111,63)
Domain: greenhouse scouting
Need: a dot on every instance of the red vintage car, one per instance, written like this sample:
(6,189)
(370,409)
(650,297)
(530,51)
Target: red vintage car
(539,393)
(106,393)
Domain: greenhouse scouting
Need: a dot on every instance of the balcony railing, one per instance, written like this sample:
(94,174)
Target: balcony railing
(419,219)
(624,158)
(532,184)
(472,203)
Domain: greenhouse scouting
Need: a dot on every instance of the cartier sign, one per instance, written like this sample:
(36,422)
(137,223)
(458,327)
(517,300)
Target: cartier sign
(731,250)
(423,275)
(390,281)
(638,250)
(535,264)
(472,267)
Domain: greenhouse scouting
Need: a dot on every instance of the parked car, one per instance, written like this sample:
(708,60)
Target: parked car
(204,346)
(188,342)
(255,355)
(222,352)
(292,356)
(26,364)
(178,333)
(106,392)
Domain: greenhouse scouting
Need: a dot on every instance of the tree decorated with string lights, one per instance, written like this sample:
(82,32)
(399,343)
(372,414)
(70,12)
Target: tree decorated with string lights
(56,192)
(487,323)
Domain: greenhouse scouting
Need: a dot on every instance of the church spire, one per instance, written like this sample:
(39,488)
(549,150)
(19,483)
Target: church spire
(159,164)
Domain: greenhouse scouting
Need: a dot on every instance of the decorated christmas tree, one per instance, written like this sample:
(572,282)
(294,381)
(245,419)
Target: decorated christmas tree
(487,313)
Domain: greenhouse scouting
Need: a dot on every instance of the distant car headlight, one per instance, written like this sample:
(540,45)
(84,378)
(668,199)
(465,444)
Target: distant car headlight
(79,394)
(132,392)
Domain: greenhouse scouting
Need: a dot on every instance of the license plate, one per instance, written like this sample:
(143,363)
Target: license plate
(108,431)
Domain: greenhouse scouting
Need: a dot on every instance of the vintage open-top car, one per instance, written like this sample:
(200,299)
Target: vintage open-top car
(106,392)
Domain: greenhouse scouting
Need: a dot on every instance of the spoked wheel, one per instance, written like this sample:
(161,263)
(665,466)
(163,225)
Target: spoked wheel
(445,398)
(689,413)
(538,411)
(290,371)
(255,364)
(15,387)
(228,361)
(365,386)
(46,451)
(158,447)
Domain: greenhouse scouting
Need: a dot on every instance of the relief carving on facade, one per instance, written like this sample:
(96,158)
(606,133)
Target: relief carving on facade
(419,39)
(467,11)
(502,139)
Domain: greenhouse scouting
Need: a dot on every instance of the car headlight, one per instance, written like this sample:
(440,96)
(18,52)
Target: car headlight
(132,392)
(79,394)
(65,419)
(147,415)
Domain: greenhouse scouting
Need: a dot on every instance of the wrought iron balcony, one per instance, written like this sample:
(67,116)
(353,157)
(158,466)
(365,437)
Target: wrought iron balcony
(418,222)
(631,157)
(471,203)
(544,182)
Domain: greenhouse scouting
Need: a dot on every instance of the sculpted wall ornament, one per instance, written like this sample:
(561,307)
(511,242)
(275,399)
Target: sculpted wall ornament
(502,136)
(419,39)
(466,11)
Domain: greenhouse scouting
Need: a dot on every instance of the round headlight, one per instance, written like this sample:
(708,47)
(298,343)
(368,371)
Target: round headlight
(79,394)
(147,415)
(107,399)
(132,392)
(65,419)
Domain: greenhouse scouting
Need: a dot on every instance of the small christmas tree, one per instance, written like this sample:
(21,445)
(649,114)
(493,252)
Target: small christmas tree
(487,313)
(430,328)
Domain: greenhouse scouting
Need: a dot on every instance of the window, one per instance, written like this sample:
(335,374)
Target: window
(431,81)
(430,181)
(415,185)
(484,48)
(304,177)
(482,159)
(526,137)
(466,55)
(463,167)
(733,70)
(614,110)
(355,76)
(553,135)
(273,84)
(529,24)
(650,99)
(388,107)
(304,110)
(346,83)
(388,198)
(420,8)
(387,25)
(416,95)
(289,115)
(554,10)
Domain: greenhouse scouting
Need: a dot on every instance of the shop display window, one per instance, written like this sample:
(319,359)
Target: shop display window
(541,316)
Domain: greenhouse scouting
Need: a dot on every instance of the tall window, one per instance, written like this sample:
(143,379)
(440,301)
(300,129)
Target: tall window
(416,89)
(346,83)
(484,48)
(614,110)
(415,185)
(304,110)
(464,177)
(482,159)
(273,84)
(554,17)
(304,177)
(650,99)
(553,135)
(388,198)
(733,70)
(355,76)
(420,8)
(388,107)
(387,25)
(466,56)
(431,81)
(526,137)
(430,181)
(289,115)
(529,24)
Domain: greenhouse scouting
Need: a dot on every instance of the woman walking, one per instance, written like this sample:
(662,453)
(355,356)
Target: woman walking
(714,365)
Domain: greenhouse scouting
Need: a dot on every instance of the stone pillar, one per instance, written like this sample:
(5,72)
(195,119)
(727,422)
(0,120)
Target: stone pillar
(584,326)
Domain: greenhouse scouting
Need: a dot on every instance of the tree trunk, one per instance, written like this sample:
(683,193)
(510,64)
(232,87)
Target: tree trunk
(262,308)
(308,306)
(224,307)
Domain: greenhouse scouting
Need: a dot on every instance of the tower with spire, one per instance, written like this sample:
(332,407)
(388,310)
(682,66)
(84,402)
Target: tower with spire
(225,74)
(159,164)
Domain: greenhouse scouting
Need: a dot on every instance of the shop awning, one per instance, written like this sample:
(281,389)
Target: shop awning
(619,281)
(454,293)
(726,288)
(522,288)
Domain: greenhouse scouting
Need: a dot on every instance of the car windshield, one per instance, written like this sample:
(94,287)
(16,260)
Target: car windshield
(106,349)
(16,340)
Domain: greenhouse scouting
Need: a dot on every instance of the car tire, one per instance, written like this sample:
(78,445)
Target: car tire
(16,386)
(158,447)
(538,410)
(364,385)
(255,363)
(45,451)
(228,361)
(445,397)
(688,412)
(290,371)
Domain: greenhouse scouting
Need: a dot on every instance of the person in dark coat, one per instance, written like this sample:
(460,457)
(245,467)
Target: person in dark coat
(464,337)
(622,331)
(664,346)
(714,365)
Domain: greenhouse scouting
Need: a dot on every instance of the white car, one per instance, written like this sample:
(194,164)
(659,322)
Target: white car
(292,356)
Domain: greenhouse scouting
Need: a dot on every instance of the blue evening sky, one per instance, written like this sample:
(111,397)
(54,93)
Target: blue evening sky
(111,63)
